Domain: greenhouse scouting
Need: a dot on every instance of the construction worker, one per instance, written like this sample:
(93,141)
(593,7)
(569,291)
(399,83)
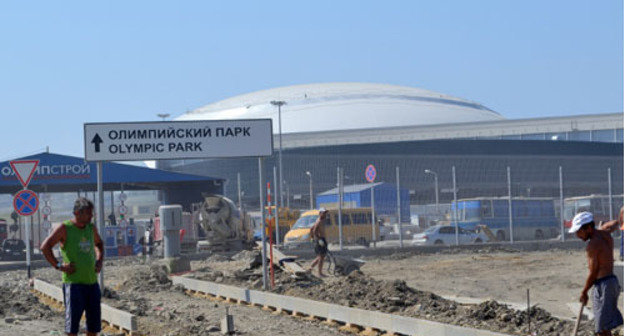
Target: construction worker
(83,254)
(320,243)
(600,261)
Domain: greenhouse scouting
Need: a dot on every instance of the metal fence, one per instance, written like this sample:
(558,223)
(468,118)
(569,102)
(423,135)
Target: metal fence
(430,183)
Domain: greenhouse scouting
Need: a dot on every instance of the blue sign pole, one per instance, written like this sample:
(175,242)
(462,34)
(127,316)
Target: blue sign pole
(26,204)
(371,173)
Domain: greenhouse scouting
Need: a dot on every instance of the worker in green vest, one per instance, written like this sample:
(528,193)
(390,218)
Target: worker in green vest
(83,253)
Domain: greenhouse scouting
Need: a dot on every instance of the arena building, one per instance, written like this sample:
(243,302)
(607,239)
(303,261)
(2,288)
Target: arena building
(351,125)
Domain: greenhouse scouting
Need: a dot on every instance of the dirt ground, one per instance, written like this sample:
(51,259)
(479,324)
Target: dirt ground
(164,310)
(422,286)
(555,278)
(389,295)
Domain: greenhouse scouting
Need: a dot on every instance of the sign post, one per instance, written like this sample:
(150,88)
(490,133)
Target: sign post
(371,174)
(171,140)
(26,202)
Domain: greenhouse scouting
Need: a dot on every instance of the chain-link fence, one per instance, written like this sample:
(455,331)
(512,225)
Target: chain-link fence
(463,183)
(548,182)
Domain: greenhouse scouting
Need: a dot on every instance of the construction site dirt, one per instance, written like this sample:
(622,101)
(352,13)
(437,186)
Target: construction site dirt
(471,289)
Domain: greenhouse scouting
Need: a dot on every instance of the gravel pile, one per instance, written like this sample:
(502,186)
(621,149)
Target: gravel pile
(147,278)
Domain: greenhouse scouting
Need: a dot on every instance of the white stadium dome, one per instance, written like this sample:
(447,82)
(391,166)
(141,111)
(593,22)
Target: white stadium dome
(346,106)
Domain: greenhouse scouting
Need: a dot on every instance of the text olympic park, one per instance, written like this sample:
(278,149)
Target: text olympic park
(170,133)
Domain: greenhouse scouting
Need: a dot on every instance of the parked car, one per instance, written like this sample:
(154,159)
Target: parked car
(385,231)
(445,235)
(13,249)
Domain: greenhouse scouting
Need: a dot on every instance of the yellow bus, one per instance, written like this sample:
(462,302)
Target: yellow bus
(356,227)
(287,218)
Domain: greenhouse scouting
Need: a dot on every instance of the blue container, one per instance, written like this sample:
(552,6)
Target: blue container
(111,252)
(131,235)
(137,248)
(110,236)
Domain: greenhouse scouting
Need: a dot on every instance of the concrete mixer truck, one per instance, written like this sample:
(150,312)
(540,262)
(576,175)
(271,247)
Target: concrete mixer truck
(222,228)
(212,225)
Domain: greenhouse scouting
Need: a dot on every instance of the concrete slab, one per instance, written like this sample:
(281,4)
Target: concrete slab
(382,321)
(111,315)
(278,255)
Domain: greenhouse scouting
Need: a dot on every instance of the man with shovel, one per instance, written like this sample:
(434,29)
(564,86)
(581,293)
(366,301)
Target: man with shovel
(600,261)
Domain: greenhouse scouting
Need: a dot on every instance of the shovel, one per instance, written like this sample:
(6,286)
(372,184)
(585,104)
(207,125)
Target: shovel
(578,321)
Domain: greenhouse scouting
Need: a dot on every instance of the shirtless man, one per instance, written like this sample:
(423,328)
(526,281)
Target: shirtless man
(600,261)
(320,243)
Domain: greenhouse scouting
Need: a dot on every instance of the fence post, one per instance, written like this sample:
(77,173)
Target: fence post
(265,283)
(610,194)
(339,194)
(277,205)
(240,198)
(456,206)
(511,235)
(562,219)
(398,179)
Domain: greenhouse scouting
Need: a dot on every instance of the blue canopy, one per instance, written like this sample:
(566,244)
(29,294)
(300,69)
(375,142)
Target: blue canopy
(62,173)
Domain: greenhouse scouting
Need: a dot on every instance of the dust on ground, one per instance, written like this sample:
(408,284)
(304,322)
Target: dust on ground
(21,312)
(390,296)
(555,277)
(398,284)
(144,289)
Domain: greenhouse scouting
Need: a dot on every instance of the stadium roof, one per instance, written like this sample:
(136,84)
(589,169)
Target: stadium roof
(346,106)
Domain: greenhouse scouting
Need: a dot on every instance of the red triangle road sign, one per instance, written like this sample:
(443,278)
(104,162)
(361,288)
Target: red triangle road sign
(24,170)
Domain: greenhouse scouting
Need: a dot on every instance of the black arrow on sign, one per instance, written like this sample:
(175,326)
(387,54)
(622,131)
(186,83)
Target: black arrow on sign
(97,141)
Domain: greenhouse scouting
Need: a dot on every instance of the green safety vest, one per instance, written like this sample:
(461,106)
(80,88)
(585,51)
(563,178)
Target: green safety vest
(79,249)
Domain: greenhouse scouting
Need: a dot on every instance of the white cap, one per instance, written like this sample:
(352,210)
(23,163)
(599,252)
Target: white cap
(321,210)
(581,219)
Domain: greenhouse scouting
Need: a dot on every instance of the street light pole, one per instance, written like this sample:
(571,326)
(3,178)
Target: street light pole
(311,194)
(437,196)
(279,104)
(164,116)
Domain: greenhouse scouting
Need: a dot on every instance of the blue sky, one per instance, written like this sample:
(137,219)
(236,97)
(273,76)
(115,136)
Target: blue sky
(66,63)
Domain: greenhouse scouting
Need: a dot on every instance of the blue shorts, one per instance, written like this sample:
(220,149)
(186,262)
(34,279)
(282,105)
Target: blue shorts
(604,303)
(81,298)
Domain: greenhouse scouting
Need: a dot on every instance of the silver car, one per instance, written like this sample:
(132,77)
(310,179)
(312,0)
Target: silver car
(445,235)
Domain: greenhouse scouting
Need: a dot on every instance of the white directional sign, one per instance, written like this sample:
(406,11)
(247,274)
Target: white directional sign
(178,140)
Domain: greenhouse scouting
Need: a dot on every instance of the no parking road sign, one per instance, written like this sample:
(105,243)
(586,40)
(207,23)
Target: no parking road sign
(26,202)
(371,173)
